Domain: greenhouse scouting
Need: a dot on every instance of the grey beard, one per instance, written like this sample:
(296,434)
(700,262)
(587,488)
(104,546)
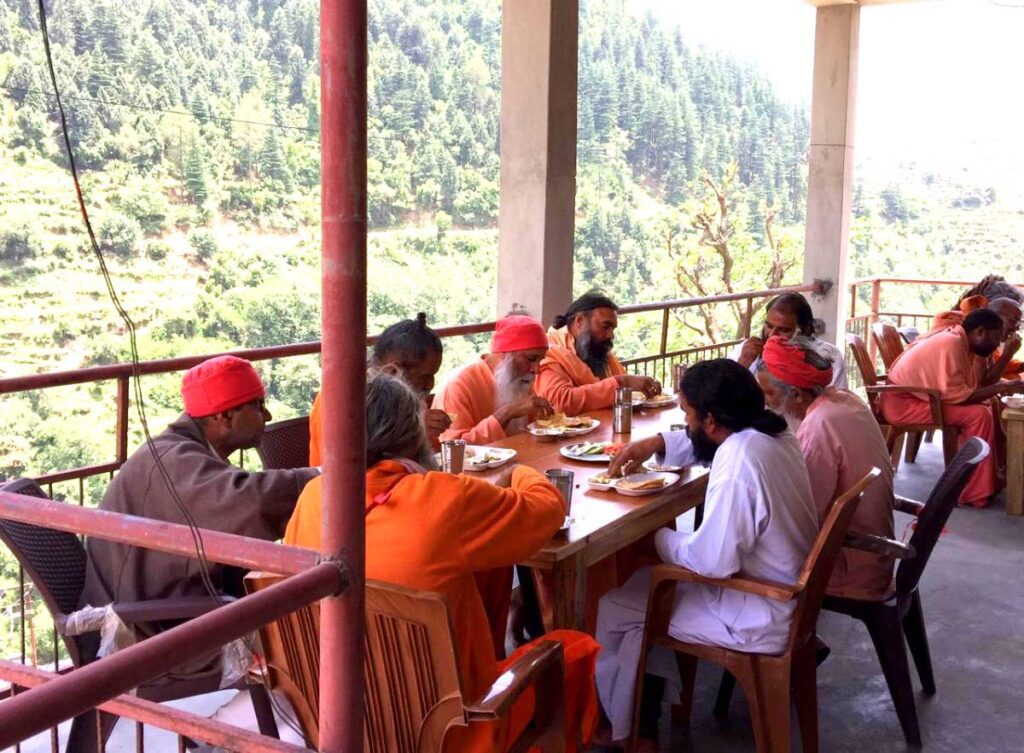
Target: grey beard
(510,387)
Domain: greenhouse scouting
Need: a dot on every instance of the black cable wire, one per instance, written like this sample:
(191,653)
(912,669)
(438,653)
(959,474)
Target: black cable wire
(197,539)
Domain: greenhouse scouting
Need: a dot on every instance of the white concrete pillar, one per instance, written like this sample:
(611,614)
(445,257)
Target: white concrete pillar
(830,161)
(536,215)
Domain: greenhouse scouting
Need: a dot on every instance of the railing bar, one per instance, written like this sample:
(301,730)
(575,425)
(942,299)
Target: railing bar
(81,491)
(140,737)
(54,740)
(182,748)
(14,692)
(21,606)
(100,742)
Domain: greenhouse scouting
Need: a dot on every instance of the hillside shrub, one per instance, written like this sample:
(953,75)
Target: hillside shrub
(157,250)
(203,242)
(120,235)
(19,244)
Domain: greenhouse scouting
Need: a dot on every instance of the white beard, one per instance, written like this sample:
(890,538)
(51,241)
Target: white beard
(510,387)
(792,422)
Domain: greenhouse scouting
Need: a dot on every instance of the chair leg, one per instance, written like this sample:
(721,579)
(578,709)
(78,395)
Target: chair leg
(913,445)
(886,633)
(264,710)
(682,711)
(805,695)
(950,443)
(917,640)
(896,447)
(771,708)
(725,691)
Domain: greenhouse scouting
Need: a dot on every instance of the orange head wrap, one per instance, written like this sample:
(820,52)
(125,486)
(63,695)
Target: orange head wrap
(518,332)
(786,362)
(220,384)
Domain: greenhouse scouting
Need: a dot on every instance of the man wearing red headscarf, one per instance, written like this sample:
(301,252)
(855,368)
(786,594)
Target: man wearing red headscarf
(194,483)
(493,396)
(841,442)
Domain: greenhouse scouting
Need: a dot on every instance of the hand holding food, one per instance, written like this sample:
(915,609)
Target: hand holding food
(630,457)
(649,387)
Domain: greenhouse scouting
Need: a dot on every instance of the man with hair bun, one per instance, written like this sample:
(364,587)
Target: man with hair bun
(580,372)
(841,442)
(759,519)
(412,350)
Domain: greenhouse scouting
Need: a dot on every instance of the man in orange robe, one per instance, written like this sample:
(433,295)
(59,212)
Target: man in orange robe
(412,349)
(950,360)
(432,531)
(580,372)
(492,397)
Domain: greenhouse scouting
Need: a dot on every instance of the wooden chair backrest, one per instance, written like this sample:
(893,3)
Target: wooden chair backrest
(285,444)
(888,341)
(819,563)
(862,358)
(413,693)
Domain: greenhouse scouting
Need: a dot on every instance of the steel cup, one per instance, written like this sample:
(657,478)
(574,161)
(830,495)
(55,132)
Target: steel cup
(624,395)
(678,372)
(453,455)
(562,480)
(622,418)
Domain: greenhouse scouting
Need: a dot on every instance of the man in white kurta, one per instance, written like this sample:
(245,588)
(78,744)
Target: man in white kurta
(759,520)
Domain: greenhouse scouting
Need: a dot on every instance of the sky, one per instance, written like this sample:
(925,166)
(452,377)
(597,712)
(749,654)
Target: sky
(940,82)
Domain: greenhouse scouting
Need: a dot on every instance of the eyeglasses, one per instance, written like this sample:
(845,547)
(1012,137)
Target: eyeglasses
(259,403)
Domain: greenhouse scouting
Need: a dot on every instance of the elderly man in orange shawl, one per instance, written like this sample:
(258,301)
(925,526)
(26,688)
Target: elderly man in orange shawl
(580,372)
(432,531)
(492,397)
(951,361)
(841,442)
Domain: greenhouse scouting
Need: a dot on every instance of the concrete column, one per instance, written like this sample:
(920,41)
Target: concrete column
(830,178)
(536,217)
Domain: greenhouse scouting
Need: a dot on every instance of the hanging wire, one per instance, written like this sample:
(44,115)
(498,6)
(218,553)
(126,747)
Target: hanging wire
(197,539)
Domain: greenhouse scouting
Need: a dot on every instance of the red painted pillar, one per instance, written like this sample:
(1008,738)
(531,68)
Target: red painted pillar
(343,226)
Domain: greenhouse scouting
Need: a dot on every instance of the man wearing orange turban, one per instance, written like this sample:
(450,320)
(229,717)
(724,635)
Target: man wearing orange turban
(194,483)
(841,441)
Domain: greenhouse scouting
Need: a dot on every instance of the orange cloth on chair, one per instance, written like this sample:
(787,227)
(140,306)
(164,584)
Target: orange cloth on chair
(316,432)
(468,394)
(567,382)
(942,360)
(433,532)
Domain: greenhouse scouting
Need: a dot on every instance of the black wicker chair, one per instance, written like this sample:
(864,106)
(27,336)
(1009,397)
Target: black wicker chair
(55,562)
(285,444)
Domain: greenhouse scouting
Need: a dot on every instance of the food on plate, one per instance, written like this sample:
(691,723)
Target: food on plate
(561,421)
(601,478)
(484,457)
(638,486)
(639,397)
(662,399)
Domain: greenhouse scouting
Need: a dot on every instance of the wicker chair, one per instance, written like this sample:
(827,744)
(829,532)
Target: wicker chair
(899,616)
(285,444)
(55,562)
(771,683)
(410,665)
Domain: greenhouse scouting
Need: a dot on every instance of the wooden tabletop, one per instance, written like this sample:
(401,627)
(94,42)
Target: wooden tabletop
(605,521)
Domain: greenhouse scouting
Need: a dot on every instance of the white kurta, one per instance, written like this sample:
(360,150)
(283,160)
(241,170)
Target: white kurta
(759,520)
(839,379)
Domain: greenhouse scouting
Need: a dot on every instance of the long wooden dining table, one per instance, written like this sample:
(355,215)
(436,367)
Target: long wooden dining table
(603,522)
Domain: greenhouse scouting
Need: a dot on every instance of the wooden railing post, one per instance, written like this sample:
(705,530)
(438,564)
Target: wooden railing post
(664,331)
(123,393)
(876,295)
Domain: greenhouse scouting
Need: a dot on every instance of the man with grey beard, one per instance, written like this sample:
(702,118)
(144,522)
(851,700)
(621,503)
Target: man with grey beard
(493,397)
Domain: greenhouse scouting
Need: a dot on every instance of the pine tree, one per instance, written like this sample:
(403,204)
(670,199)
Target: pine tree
(196,182)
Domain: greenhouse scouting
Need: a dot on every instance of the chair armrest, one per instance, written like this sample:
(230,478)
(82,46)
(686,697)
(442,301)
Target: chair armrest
(543,658)
(175,608)
(867,542)
(934,396)
(758,586)
(909,506)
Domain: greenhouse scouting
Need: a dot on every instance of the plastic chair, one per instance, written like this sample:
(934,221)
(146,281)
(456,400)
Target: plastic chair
(899,616)
(285,444)
(410,665)
(888,341)
(55,562)
(771,683)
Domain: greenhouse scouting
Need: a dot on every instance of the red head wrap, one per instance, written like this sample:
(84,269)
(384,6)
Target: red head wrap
(220,384)
(785,361)
(518,332)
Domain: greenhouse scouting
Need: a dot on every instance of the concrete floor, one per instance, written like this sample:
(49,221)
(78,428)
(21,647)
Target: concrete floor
(974,606)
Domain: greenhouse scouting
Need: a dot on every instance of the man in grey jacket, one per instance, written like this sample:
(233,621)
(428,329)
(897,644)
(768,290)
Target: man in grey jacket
(224,412)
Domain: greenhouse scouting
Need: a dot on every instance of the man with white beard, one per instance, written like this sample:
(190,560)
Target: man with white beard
(841,442)
(492,397)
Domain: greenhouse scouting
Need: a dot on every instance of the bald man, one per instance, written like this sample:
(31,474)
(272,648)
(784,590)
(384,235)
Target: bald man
(1002,364)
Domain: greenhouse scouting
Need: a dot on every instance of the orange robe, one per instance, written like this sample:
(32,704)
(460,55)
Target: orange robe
(946,319)
(942,360)
(316,432)
(433,532)
(567,382)
(468,394)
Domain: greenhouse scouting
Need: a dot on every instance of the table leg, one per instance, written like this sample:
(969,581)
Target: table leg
(570,581)
(1014,464)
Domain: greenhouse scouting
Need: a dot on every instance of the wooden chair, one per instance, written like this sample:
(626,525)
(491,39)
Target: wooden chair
(888,341)
(771,683)
(899,616)
(55,563)
(895,434)
(410,666)
(285,444)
